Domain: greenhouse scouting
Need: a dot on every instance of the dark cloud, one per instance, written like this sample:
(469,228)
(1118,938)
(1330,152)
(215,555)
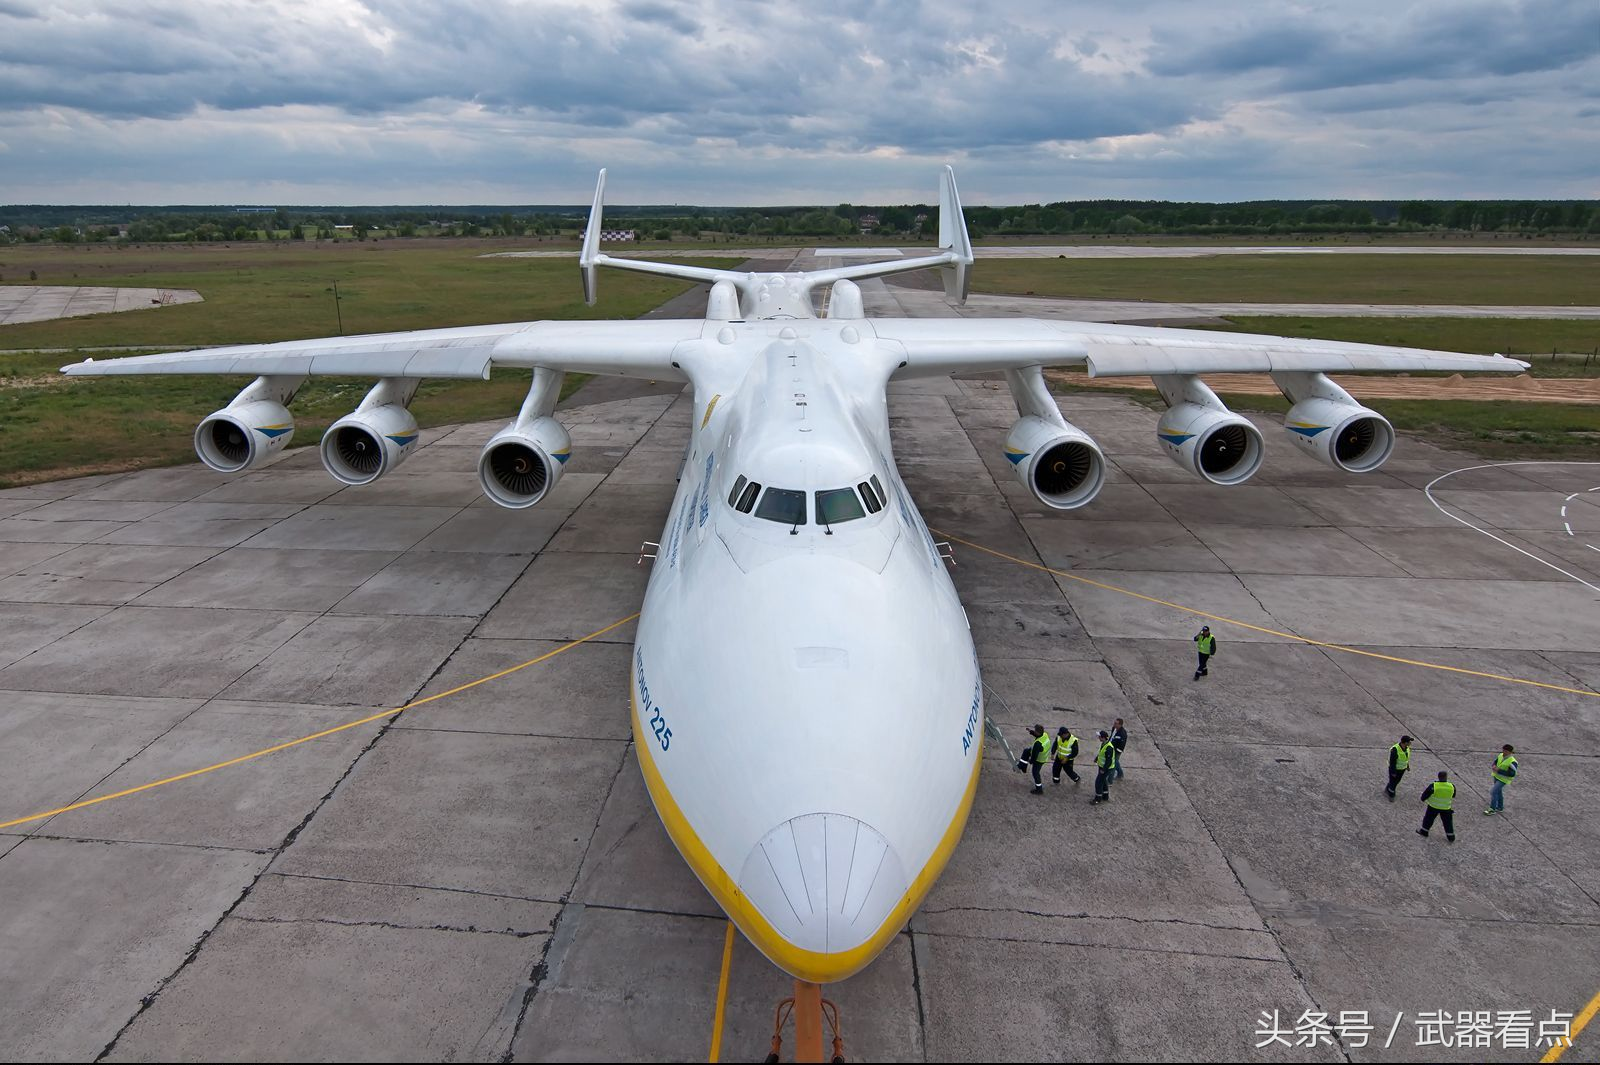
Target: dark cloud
(664,14)
(764,94)
(1432,41)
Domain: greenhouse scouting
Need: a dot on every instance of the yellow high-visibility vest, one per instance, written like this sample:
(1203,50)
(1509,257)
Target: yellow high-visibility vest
(1108,756)
(1402,758)
(1067,748)
(1443,795)
(1502,762)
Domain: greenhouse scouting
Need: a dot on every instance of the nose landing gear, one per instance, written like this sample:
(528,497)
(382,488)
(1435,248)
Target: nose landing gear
(809,1009)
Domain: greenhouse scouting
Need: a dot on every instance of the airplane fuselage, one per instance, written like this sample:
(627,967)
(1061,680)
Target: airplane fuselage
(802,647)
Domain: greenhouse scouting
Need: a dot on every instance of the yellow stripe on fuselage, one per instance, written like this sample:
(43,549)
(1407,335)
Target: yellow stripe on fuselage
(815,966)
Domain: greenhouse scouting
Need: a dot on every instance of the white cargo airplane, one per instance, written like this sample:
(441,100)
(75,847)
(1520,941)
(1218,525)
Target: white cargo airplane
(807,706)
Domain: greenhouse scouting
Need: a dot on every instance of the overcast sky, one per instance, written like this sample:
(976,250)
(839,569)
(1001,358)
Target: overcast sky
(752,102)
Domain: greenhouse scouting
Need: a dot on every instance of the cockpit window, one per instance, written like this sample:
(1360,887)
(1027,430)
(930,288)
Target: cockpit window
(738,486)
(748,498)
(870,497)
(837,505)
(783,505)
(877,486)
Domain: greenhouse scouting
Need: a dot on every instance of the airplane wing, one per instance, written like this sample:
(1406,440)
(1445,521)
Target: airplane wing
(632,348)
(931,347)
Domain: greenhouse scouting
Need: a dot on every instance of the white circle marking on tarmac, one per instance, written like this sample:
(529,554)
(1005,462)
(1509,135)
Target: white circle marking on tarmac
(1428,491)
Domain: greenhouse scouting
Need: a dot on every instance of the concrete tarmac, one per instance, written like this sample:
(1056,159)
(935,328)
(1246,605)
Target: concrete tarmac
(484,878)
(39,303)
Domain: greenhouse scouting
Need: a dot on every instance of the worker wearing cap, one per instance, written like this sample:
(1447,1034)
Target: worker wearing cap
(1399,762)
(1206,645)
(1038,756)
(1105,764)
(1066,751)
(1440,797)
(1505,769)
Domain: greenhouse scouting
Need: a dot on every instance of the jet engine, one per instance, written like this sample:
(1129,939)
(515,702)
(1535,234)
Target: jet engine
(1203,436)
(523,461)
(375,438)
(255,425)
(1332,427)
(1060,464)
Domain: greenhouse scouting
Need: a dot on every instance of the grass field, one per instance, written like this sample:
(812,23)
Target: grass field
(1443,279)
(52,426)
(284,291)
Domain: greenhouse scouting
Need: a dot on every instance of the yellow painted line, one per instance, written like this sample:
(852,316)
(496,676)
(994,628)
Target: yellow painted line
(1578,1024)
(1258,628)
(315,735)
(722,996)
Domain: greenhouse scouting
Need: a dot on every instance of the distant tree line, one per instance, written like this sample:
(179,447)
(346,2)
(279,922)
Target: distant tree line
(1561,218)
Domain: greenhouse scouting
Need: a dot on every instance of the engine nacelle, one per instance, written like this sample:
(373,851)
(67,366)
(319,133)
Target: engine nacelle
(522,462)
(1345,436)
(363,446)
(237,438)
(1060,464)
(1212,442)
(256,425)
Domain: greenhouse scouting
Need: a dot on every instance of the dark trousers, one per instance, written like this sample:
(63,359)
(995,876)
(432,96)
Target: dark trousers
(1038,780)
(1201,668)
(1394,780)
(1102,783)
(1447,816)
(1063,765)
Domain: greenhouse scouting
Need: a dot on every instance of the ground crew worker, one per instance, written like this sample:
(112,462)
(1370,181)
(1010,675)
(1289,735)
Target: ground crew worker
(1105,764)
(1066,751)
(1206,644)
(1119,740)
(1038,756)
(1505,768)
(1399,762)
(1440,797)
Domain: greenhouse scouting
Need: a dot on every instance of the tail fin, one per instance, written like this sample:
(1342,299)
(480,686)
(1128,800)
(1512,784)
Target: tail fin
(953,238)
(591,242)
(590,259)
(954,258)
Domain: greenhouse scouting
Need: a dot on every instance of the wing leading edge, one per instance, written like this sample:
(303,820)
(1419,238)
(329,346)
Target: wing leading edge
(625,349)
(937,346)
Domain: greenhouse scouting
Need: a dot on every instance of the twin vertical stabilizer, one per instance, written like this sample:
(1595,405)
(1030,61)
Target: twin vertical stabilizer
(954,259)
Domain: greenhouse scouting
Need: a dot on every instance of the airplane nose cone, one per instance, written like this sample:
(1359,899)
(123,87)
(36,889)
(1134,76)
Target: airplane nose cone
(826,883)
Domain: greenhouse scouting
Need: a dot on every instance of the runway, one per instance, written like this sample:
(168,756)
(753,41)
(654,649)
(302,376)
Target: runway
(482,877)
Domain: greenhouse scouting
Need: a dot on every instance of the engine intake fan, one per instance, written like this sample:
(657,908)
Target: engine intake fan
(522,462)
(1060,464)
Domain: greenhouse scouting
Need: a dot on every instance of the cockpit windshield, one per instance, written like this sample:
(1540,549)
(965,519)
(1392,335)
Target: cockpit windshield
(838,505)
(783,505)
(787,506)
